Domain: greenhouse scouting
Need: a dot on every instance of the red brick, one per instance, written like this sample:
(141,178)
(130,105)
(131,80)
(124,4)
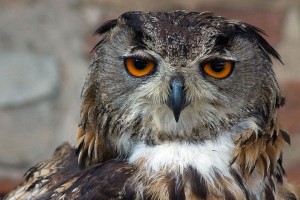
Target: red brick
(269,21)
(293,174)
(6,186)
(289,114)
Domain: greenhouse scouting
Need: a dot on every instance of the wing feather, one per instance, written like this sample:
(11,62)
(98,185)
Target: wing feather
(62,178)
(45,175)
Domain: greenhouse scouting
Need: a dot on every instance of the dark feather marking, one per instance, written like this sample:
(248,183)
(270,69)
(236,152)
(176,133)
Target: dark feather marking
(268,49)
(286,137)
(280,163)
(248,139)
(233,160)
(272,122)
(282,102)
(33,185)
(176,189)
(229,195)
(132,20)
(259,134)
(269,193)
(129,192)
(265,165)
(139,37)
(171,189)
(279,174)
(136,48)
(221,41)
(106,26)
(272,184)
(290,196)
(79,148)
(239,180)
(274,137)
(279,177)
(198,183)
(30,173)
(279,170)
(252,168)
(136,125)
(179,189)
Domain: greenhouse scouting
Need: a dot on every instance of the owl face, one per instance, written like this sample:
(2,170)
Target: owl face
(161,77)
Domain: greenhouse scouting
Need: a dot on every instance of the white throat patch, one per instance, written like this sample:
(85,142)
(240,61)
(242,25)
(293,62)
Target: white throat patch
(205,157)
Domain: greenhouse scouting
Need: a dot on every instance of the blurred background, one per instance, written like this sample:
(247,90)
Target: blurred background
(44,55)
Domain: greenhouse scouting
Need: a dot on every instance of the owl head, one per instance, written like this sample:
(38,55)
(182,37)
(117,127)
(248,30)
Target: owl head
(160,77)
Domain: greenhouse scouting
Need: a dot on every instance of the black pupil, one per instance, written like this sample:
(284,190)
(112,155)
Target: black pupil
(218,66)
(140,64)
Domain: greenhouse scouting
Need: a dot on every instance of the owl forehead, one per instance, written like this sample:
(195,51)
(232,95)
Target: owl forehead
(178,43)
(177,36)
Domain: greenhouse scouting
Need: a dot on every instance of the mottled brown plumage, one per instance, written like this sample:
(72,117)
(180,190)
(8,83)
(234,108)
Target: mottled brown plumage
(177,105)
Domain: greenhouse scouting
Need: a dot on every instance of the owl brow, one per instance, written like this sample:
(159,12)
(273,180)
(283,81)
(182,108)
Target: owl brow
(221,42)
(139,39)
(138,48)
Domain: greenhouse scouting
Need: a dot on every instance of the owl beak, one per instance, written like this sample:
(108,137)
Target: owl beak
(177,97)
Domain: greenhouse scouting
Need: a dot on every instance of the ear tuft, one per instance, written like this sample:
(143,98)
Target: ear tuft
(106,26)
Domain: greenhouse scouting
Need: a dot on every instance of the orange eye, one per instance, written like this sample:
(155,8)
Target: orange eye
(138,66)
(219,69)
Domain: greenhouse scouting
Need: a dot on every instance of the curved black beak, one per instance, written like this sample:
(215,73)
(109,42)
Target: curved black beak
(177,96)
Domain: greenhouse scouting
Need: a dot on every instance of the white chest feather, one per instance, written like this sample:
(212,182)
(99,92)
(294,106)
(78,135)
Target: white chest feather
(175,156)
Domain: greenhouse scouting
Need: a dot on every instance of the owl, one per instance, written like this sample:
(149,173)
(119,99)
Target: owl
(176,105)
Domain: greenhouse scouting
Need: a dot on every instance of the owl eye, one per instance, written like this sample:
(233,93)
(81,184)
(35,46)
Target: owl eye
(139,66)
(218,69)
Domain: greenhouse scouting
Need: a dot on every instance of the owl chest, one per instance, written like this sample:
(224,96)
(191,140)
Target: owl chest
(205,157)
(189,171)
(184,170)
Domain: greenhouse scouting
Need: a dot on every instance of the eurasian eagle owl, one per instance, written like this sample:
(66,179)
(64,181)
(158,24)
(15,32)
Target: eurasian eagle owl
(177,105)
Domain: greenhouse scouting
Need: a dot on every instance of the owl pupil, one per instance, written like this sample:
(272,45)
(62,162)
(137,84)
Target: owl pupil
(218,67)
(140,64)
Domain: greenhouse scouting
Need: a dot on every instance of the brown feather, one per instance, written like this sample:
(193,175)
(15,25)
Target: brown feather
(45,175)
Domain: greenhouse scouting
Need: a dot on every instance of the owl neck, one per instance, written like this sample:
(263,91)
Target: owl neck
(239,164)
(197,170)
(176,156)
(205,156)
